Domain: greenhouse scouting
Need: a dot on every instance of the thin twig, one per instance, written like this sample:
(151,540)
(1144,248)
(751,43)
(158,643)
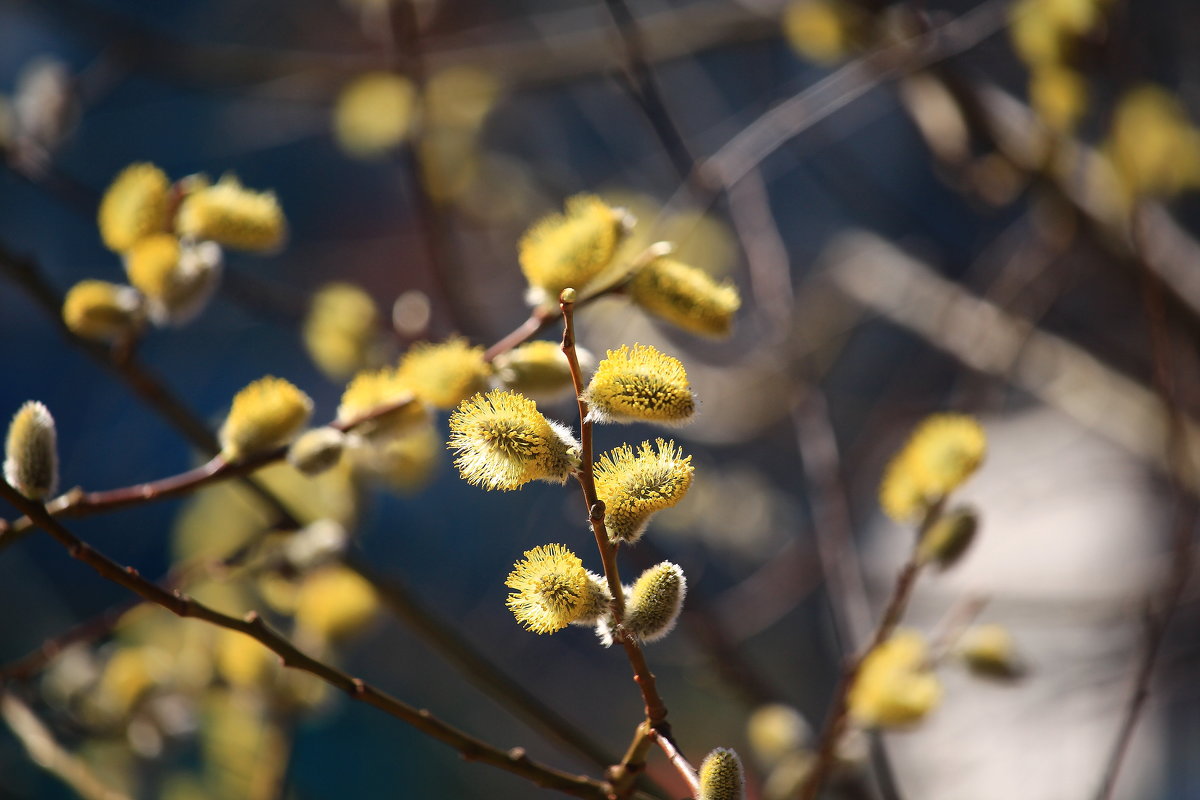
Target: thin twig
(514,761)
(51,756)
(1179,455)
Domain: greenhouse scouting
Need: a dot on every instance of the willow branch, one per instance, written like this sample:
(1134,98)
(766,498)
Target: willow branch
(51,756)
(514,761)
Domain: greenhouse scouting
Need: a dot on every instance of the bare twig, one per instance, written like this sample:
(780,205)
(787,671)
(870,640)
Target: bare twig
(51,756)
(514,761)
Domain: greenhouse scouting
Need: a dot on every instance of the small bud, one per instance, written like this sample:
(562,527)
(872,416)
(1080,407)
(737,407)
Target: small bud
(101,310)
(639,385)
(989,651)
(30,453)
(374,114)
(539,370)
(568,296)
(232,216)
(317,450)
(134,206)
(721,776)
(655,602)
(177,278)
(684,296)
(949,538)
(315,544)
(264,415)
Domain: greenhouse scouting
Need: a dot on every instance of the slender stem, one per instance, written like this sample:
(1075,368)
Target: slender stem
(623,775)
(655,708)
(681,764)
(80,503)
(514,761)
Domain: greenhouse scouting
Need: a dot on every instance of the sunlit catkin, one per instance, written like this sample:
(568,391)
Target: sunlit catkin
(373,389)
(895,686)
(31,452)
(570,249)
(232,216)
(503,442)
(317,450)
(334,603)
(341,328)
(684,296)
(374,113)
(102,311)
(721,776)
(446,373)
(264,415)
(639,385)
(634,485)
(539,370)
(989,651)
(948,538)
(135,205)
(653,606)
(176,279)
(941,454)
(551,589)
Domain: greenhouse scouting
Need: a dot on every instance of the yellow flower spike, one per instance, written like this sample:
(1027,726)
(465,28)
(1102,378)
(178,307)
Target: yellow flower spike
(655,602)
(721,776)
(943,451)
(503,442)
(135,205)
(374,114)
(570,249)
(176,279)
(334,603)
(264,415)
(371,389)
(1059,95)
(1153,146)
(776,731)
(597,603)
(684,296)
(989,651)
(634,486)
(317,450)
(341,328)
(551,589)
(895,686)
(539,370)
(949,538)
(822,31)
(446,373)
(232,216)
(31,452)
(102,311)
(639,385)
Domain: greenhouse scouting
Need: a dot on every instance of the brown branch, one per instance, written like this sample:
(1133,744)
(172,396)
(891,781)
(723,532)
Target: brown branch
(1179,456)
(514,761)
(681,764)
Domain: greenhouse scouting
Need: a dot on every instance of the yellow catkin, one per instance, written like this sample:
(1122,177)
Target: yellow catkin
(153,266)
(406,464)
(539,369)
(1059,95)
(634,486)
(949,538)
(776,731)
(684,296)
(232,216)
(334,602)
(460,97)
(721,776)
(597,603)
(822,31)
(943,451)
(502,442)
(551,588)
(101,310)
(264,415)
(317,450)
(1153,147)
(990,651)
(372,389)
(341,329)
(895,686)
(31,452)
(654,604)
(570,249)
(135,205)
(374,114)
(446,373)
(640,385)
